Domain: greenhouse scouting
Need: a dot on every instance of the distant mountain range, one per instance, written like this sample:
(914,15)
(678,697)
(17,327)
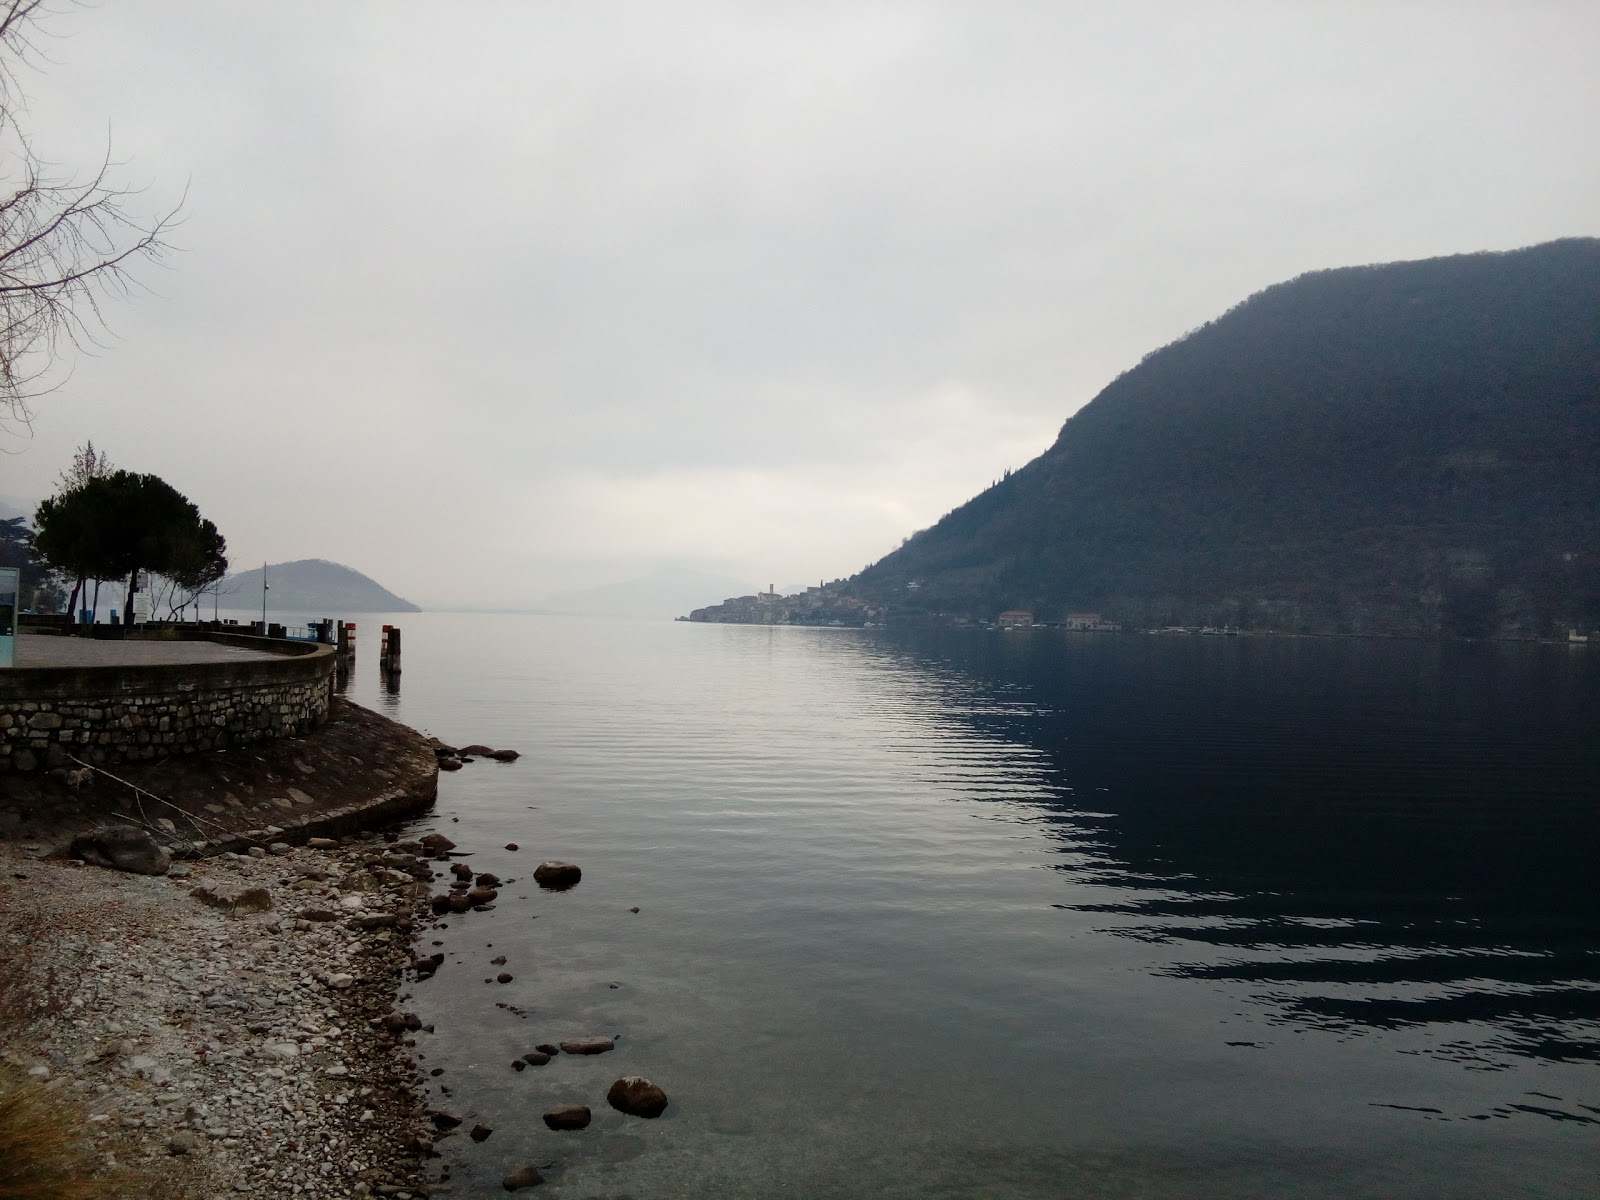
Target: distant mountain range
(663,594)
(1409,448)
(311,585)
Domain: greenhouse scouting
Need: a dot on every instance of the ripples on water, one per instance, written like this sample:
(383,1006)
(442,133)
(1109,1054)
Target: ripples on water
(1025,914)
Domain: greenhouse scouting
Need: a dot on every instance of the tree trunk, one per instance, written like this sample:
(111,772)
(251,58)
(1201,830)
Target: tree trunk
(133,586)
(72,605)
(94,609)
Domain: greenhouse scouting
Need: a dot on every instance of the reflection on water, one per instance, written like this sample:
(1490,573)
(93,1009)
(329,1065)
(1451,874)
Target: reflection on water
(1022,915)
(1366,835)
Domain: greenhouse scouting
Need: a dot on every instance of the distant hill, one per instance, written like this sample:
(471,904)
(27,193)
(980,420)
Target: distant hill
(311,585)
(1405,448)
(663,594)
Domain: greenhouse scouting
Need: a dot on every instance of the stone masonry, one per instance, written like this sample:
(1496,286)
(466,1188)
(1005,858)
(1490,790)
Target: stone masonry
(104,717)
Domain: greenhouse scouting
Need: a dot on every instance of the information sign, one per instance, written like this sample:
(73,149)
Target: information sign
(8,616)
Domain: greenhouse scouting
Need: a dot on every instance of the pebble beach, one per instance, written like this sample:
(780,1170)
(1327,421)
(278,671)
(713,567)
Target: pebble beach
(226,1028)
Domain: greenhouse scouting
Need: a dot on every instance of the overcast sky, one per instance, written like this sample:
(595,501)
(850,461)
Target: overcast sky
(488,299)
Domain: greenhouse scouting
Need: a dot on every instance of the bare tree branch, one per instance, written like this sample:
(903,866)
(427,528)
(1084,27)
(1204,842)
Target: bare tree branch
(65,244)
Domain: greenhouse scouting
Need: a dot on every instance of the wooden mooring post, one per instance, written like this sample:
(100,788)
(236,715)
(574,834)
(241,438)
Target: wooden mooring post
(389,653)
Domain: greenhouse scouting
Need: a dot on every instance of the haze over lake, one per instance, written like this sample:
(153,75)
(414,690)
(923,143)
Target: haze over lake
(1022,914)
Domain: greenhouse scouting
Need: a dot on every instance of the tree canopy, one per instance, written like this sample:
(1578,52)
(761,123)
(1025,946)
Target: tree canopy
(113,526)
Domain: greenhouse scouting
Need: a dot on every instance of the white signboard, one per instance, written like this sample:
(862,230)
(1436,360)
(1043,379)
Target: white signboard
(9,584)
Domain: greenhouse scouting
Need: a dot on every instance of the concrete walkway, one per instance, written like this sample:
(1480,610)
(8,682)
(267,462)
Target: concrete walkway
(48,650)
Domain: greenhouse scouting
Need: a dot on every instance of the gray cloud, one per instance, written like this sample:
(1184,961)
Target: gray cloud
(536,295)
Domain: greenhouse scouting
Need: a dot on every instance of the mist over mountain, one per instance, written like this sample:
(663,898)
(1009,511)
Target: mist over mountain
(1403,448)
(665,594)
(311,585)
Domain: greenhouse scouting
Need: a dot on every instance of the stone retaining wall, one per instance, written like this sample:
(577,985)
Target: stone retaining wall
(109,715)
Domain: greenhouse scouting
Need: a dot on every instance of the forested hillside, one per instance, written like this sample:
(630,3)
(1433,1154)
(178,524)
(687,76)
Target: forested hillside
(1408,448)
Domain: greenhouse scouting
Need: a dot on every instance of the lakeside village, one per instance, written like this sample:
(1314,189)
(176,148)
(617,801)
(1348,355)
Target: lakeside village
(826,605)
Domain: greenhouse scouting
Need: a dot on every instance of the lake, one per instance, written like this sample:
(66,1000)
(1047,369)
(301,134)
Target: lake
(1021,914)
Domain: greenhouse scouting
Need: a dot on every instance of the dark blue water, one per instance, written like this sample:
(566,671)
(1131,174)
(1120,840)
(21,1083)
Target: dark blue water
(1020,915)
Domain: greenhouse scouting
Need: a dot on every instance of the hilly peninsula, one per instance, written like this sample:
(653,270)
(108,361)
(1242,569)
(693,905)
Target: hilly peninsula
(311,585)
(1409,448)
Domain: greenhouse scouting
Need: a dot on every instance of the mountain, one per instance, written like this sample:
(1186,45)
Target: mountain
(311,585)
(663,594)
(1405,448)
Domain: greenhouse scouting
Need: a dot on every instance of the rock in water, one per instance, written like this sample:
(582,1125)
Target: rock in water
(589,1045)
(637,1096)
(123,848)
(479,1133)
(437,843)
(505,755)
(477,750)
(535,1058)
(567,1116)
(557,875)
(522,1177)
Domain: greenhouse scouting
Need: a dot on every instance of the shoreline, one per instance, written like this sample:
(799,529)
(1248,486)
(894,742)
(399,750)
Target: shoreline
(226,1029)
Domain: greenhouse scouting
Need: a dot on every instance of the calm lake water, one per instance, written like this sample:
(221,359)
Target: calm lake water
(1019,915)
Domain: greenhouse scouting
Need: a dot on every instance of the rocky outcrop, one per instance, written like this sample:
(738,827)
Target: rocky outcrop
(233,898)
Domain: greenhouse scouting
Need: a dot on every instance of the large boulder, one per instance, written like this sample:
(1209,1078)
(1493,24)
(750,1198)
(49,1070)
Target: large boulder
(122,848)
(437,843)
(556,875)
(637,1096)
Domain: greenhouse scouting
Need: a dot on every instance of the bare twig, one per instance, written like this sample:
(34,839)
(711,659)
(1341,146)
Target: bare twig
(139,793)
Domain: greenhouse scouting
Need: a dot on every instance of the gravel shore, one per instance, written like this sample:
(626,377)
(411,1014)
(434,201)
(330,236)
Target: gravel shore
(229,1048)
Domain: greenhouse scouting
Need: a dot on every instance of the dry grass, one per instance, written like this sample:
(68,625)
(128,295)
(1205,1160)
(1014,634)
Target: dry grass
(38,980)
(44,1148)
(46,1143)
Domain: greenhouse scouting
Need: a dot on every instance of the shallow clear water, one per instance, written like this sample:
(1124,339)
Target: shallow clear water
(1019,915)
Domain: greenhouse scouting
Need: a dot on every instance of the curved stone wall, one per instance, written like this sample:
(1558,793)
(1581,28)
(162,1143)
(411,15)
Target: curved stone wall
(114,714)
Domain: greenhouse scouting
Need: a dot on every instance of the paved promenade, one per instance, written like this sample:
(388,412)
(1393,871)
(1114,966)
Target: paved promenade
(47,650)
